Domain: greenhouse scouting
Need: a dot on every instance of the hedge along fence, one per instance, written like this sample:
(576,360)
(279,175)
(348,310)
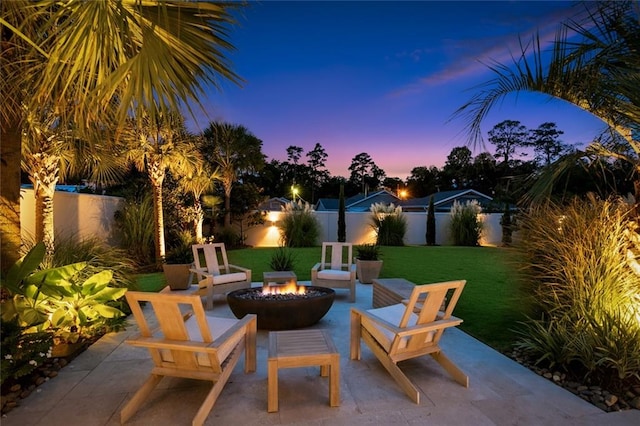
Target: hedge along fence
(359,230)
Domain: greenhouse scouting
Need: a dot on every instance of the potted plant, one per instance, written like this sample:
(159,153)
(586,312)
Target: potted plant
(282,260)
(177,263)
(368,262)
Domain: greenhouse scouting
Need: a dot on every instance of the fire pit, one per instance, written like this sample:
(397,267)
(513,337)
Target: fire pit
(282,307)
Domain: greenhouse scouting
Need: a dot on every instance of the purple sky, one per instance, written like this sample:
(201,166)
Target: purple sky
(381,77)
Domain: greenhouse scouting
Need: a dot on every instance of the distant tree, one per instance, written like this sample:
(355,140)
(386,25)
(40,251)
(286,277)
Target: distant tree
(423,181)
(234,150)
(342,224)
(457,168)
(360,167)
(484,173)
(293,155)
(316,160)
(545,143)
(431,223)
(508,136)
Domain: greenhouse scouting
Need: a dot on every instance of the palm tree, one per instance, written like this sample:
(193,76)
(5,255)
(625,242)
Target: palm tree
(155,147)
(85,58)
(598,74)
(50,152)
(233,150)
(197,182)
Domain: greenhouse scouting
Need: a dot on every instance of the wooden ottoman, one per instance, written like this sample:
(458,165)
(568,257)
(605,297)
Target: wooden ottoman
(302,348)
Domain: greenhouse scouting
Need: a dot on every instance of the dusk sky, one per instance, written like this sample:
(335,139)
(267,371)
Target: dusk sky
(382,77)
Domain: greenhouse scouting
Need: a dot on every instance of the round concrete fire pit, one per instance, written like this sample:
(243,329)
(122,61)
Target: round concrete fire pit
(282,311)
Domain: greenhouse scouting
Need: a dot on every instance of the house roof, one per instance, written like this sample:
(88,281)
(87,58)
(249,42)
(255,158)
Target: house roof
(444,199)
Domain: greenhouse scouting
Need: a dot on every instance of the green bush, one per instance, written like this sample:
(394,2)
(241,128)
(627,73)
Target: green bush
(134,228)
(299,226)
(229,236)
(389,223)
(574,260)
(465,225)
(22,352)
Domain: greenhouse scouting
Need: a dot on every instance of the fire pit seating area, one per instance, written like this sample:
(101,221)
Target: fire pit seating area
(215,274)
(336,268)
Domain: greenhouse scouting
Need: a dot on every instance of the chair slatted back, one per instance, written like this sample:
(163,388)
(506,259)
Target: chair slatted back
(171,313)
(335,252)
(214,255)
(425,302)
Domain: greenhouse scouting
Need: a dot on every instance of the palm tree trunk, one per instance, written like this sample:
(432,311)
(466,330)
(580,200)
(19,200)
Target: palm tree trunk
(10,152)
(198,221)
(227,206)
(156,174)
(44,177)
(158,219)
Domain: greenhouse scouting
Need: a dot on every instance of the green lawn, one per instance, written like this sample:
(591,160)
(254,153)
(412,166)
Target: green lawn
(490,304)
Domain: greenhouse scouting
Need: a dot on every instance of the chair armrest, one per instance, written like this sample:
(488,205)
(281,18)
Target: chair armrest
(384,323)
(314,272)
(432,326)
(241,269)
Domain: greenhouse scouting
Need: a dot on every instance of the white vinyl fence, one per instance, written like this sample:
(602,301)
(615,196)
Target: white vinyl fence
(87,215)
(359,231)
(75,215)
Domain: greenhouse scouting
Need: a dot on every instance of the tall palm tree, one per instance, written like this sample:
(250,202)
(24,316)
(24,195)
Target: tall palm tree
(197,182)
(233,150)
(84,58)
(50,152)
(598,73)
(155,146)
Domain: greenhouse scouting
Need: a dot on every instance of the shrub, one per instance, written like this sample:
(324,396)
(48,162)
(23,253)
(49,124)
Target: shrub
(299,226)
(134,227)
(21,352)
(389,223)
(229,236)
(465,225)
(430,235)
(574,259)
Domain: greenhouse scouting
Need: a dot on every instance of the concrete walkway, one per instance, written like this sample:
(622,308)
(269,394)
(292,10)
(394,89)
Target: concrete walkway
(92,389)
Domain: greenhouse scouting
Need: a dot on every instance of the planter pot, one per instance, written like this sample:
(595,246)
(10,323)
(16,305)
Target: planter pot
(368,270)
(177,275)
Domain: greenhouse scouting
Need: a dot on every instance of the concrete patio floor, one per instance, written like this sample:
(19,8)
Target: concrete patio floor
(92,389)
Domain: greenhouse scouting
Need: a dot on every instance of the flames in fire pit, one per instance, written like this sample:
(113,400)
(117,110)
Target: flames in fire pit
(282,307)
(289,288)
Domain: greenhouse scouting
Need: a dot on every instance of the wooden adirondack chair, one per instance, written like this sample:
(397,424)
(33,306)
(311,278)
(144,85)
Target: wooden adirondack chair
(409,329)
(189,344)
(335,270)
(215,274)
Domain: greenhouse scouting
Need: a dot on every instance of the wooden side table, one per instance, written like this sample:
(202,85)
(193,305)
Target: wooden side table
(302,348)
(390,291)
(278,277)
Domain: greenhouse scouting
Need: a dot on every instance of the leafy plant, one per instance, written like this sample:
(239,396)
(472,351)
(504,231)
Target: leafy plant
(368,252)
(299,226)
(389,223)
(283,259)
(465,225)
(59,299)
